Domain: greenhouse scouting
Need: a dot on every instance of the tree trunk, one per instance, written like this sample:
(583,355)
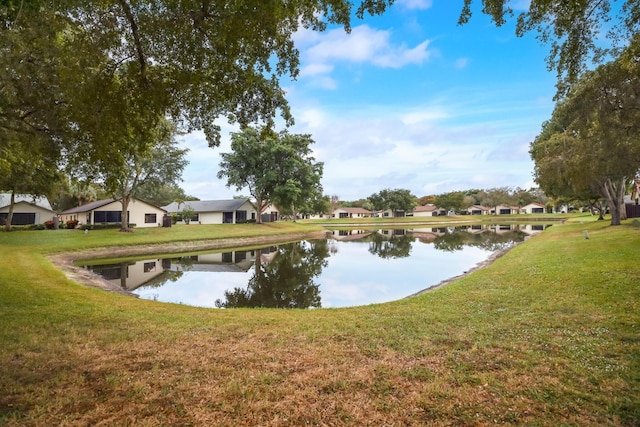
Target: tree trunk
(7,225)
(124,218)
(613,192)
(259,207)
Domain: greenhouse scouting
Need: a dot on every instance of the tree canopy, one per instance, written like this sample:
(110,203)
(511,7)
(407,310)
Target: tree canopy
(157,161)
(274,167)
(592,142)
(68,67)
(398,200)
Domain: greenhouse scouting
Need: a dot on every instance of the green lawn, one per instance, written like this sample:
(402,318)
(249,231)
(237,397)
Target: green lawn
(549,335)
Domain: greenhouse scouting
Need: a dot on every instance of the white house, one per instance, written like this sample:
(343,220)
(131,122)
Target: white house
(533,208)
(109,211)
(351,213)
(428,210)
(505,210)
(478,210)
(26,209)
(232,211)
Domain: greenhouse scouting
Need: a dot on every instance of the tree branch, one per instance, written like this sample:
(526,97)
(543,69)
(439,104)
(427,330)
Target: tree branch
(136,40)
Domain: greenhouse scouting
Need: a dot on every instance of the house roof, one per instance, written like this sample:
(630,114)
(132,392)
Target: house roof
(354,210)
(534,204)
(426,208)
(207,205)
(42,202)
(88,206)
(479,207)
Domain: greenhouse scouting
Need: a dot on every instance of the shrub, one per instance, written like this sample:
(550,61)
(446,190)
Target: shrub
(72,223)
(50,224)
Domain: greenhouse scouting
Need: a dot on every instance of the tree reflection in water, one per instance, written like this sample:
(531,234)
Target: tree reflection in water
(455,240)
(287,281)
(394,245)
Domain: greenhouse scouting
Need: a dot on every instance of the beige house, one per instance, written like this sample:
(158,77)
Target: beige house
(27,209)
(109,211)
(428,210)
(351,213)
(478,210)
(533,208)
(505,210)
(231,211)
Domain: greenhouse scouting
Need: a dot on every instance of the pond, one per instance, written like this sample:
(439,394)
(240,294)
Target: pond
(349,268)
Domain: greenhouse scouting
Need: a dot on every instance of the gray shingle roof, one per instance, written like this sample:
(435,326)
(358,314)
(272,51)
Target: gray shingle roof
(43,202)
(88,206)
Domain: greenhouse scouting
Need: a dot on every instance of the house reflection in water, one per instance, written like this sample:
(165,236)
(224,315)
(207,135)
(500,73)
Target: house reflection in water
(131,275)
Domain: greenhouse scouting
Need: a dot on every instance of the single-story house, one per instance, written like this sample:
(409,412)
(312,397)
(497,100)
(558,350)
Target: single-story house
(478,210)
(533,208)
(27,209)
(109,211)
(428,210)
(505,210)
(388,213)
(231,211)
(351,213)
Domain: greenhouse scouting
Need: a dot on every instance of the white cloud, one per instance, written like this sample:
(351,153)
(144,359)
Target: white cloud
(415,4)
(364,45)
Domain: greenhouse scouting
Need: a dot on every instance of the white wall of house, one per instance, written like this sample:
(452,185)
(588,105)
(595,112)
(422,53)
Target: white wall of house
(533,208)
(218,216)
(506,210)
(478,210)
(140,213)
(40,214)
(143,214)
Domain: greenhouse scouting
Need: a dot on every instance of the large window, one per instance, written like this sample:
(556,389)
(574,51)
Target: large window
(150,218)
(102,217)
(241,216)
(19,218)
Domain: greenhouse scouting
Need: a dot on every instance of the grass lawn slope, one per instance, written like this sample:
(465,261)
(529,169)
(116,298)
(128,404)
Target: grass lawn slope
(549,334)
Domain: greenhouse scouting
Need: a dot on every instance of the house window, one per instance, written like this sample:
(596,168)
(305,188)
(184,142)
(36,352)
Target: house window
(107,216)
(150,218)
(19,218)
(241,216)
(195,217)
(149,267)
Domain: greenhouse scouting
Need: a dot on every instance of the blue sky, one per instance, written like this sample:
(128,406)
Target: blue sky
(409,100)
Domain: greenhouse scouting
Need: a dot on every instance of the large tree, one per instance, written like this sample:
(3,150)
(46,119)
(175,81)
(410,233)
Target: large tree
(195,60)
(452,201)
(26,167)
(397,200)
(592,142)
(273,167)
(156,161)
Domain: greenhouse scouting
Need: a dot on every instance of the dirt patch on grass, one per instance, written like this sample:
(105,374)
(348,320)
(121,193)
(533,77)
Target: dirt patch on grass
(65,261)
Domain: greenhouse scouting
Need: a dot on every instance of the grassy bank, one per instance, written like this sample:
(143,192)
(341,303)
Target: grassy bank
(549,334)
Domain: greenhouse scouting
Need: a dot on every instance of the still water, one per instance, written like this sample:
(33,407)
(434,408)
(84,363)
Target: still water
(349,268)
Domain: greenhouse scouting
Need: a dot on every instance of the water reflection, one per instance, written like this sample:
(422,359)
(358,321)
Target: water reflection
(342,269)
(287,281)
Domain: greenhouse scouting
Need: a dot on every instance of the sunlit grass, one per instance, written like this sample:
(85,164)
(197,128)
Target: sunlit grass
(547,335)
